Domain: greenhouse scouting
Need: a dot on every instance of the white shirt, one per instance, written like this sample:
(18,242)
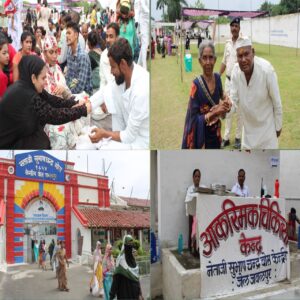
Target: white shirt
(243,192)
(105,78)
(190,201)
(260,104)
(105,69)
(132,108)
(229,57)
(141,10)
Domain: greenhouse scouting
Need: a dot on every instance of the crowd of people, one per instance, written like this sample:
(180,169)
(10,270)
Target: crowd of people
(251,91)
(109,279)
(57,257)
(118,279)
(63,72)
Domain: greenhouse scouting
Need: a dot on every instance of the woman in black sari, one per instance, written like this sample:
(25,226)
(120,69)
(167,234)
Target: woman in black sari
(27,107)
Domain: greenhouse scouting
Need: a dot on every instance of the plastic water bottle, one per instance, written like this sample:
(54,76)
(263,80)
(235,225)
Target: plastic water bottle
(153,248)
(277,188)
(180,243)
(158,249)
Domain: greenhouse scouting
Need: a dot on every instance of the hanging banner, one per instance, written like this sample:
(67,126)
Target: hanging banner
(40,165)
(243,243)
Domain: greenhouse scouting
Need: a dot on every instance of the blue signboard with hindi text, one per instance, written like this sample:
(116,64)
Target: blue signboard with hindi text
(40,165)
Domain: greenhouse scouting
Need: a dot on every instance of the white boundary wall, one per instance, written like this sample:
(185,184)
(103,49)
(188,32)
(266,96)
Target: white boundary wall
(283,30)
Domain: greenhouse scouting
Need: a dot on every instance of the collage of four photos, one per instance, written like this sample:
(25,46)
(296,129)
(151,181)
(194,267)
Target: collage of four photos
(150,149)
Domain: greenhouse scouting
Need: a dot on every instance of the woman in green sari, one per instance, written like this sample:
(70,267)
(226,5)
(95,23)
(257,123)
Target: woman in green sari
(125,19)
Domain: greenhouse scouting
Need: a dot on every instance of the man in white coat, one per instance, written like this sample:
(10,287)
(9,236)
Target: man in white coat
(254,88)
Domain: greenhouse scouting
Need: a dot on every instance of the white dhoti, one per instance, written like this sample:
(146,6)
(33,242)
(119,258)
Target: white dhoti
(229,117)
(144,29)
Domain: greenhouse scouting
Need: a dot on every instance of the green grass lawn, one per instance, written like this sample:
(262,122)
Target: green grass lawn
(169,96)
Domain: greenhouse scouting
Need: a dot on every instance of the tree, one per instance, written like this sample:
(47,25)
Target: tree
(276,10)
(289,6)
(266,6)
(160,4)
(199,4)
(174,9)
(284,7)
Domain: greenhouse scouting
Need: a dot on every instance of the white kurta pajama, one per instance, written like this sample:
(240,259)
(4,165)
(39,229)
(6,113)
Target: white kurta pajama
(229,60)
(141,8)
(105,78)
(260,105)
(131,108)
(16,32)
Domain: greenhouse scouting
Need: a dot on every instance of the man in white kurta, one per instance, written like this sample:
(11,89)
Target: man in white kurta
(14,24)
(131,99)
(141,9)
(254,88)
(106,77)
(228,62)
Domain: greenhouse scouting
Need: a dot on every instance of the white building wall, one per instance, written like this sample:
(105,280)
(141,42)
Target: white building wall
(290,179)
(283,30)
(89,181)
(88,195)
(175,170)
(86,233)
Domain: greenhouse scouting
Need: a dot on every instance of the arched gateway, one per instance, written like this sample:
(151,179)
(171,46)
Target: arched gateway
(39,224)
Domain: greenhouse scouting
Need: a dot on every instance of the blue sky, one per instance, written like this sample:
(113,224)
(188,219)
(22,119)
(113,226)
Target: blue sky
(221,4)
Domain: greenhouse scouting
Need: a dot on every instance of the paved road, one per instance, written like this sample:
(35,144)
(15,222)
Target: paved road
(29,282)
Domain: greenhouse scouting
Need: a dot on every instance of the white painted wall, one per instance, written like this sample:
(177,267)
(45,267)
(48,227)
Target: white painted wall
(88,195)
(86,233)
(175,170)
(290,179)
(89,181)
(283,30)
(290,174)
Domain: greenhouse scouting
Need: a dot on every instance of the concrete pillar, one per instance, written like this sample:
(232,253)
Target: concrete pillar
(141,237)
